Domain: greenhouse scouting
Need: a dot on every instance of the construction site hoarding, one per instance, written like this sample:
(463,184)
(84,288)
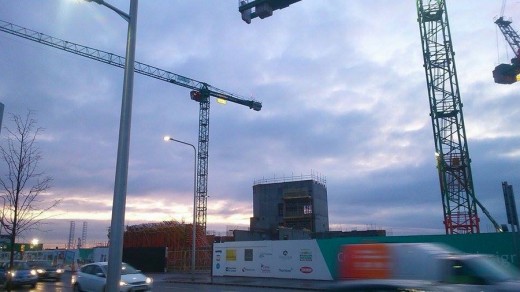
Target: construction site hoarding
(294,259)
(320,259)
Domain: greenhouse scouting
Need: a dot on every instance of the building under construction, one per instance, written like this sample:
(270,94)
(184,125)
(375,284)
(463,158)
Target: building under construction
(283,207)
(177,238)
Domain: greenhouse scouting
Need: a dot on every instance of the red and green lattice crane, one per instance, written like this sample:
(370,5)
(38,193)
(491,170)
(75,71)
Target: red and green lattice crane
(453,161)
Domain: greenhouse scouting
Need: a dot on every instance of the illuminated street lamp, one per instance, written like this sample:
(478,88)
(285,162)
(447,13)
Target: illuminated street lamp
(194,234)
(115,249)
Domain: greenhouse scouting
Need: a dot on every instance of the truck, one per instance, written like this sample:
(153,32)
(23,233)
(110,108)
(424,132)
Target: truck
(433,262)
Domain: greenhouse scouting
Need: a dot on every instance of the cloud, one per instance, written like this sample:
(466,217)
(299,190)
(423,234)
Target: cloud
(343,91)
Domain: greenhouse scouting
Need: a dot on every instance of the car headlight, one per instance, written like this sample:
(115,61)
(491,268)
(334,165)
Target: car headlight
(59,271)
(122,283)
(149,280)
(33,272)
(40,271)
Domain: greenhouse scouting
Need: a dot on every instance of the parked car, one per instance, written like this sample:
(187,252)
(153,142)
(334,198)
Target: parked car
(92,277)
(21,274)
(46,271)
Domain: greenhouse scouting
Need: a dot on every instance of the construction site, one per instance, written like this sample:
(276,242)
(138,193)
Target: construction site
(285,206)
(296,207)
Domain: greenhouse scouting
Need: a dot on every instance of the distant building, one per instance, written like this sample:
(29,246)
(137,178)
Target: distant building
(286,208)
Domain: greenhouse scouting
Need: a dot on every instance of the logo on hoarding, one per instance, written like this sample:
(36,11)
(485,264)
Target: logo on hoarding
(306,270)
(305,255)
(218,254)
(244,269)
(265,269)
(231,269)
(248,255)
(265,254)
(285,270)
(231,255)
(285,255)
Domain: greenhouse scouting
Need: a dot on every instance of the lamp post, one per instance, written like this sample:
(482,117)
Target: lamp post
(194,227)
(115,249)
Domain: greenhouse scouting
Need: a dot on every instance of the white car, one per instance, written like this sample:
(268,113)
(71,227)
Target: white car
(93,277)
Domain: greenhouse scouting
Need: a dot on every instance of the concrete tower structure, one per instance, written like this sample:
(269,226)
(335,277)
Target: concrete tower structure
(297,203)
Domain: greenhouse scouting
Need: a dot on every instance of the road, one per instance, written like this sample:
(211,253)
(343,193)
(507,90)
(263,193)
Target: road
(159,286)
(44,286)
(164,286)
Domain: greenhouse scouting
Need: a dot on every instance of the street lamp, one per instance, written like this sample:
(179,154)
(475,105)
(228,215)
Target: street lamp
(115,249)
(194,234)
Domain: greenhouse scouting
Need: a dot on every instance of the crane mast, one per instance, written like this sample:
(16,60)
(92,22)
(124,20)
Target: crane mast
(451,146)
(201,93)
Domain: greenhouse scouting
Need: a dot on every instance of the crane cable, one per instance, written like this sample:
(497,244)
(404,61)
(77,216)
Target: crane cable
(497,33)
(503,8)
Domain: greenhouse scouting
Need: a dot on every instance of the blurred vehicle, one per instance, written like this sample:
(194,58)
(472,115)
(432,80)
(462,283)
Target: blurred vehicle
(437,263)
(373,285)
(21,274)
(46,271)
(474,272)
(92,277)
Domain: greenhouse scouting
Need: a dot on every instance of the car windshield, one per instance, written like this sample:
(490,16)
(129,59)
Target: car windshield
(128,269)
(125,269)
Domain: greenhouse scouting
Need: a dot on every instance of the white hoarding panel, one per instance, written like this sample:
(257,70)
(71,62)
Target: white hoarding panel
(295,259)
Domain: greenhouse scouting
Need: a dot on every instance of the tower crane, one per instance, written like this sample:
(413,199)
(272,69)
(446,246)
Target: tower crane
(508,73)
(200,92)
(451,146)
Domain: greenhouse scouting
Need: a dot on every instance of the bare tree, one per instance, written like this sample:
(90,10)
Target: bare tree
(23,186)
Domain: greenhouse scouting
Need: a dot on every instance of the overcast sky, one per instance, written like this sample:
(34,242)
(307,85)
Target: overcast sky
(343,91)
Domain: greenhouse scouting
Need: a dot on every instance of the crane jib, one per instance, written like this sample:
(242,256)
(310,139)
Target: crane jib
(119,61)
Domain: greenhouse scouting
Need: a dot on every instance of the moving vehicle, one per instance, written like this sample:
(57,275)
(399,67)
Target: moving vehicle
(21,274)
(46,271)
(93,277)
(388,285)
(440,264)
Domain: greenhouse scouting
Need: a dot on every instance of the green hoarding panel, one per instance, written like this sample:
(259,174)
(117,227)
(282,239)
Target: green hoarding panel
(502,245)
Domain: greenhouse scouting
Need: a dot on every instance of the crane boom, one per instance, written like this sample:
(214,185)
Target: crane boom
(201,92)
(119,61)
(510,34)
(451,146)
